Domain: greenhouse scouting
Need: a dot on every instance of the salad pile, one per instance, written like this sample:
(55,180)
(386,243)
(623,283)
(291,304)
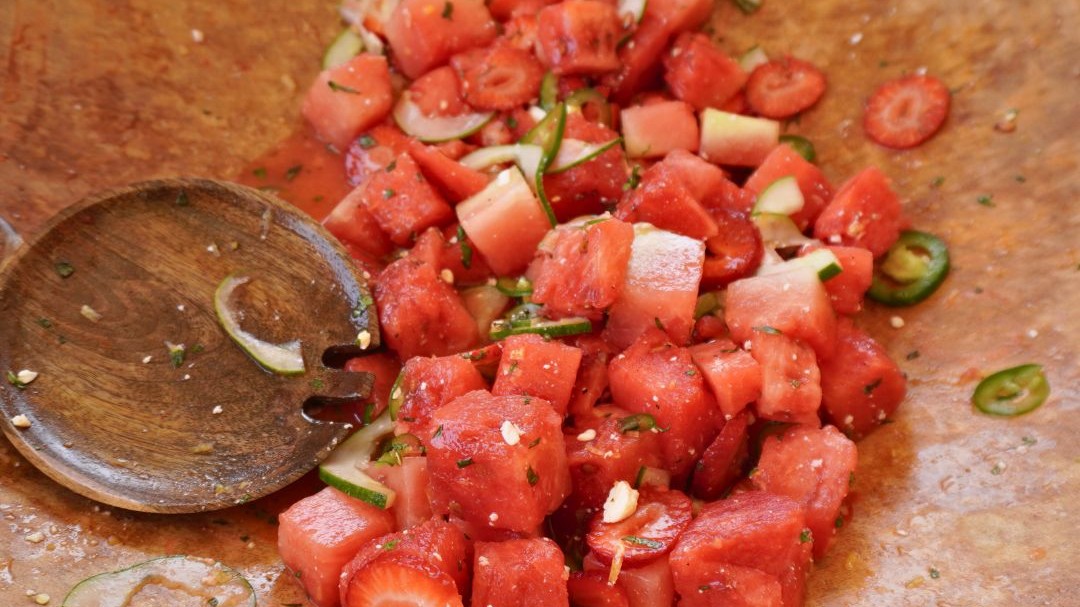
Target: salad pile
(618,361)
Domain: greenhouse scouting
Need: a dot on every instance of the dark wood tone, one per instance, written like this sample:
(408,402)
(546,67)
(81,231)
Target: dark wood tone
(151,102)
(113,417)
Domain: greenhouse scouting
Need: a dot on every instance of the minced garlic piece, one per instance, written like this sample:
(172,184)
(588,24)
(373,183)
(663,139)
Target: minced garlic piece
(621,502)
(20,421)
(89,313)
(363,339)
(511,434)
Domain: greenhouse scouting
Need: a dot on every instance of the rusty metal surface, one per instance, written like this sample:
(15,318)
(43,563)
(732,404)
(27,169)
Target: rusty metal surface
(97,93)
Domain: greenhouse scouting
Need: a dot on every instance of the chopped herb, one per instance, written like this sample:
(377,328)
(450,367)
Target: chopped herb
(998,469)
(937,181)
(851,478)
(882,63)
(1028,441)
(869,388)
(448,10)
(362,305)
(341,88)
(934,573)
(912,355)
(390,545)
(293,171)
(804,536)
(475,355)
(212,601)
(633,180)
(182,199)
(795,384)
(369,413)
(464,463)
(176,353)
(388,193)
(259,172)
(987,200)
(15,381)
(45,323)
(659,325)
(768,330)
(64,269)
(510,371)
(643,541)
(639,422)
(367,142)
(535,442)
(245,538)
(438,432)
(839,522)
(511,122)
(704,587)
(691,372)
(1020,179)
(318,198)
(393,165)
(466,250)
(317,384)
(531,476)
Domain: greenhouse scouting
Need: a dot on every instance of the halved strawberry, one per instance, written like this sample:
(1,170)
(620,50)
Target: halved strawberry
(733,253)
(591,589)
(784,87)
(647,534)
(398,579)
(499,77)
(721,464)
(905,112)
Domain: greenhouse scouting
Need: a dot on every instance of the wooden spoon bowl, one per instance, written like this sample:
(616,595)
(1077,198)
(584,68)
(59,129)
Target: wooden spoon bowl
(90,304)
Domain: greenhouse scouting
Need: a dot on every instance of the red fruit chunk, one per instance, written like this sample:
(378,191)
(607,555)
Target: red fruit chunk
(349,99)
(732,374)
(744,550)
(505,9)
(319,534)
(429,383)
(846,289)
(590,589)
(813,466)
(403,202)
(384,366)
(665,200)
(734,252)
(578,37)
(655,377)
(579,269)
(649,585)
(647,534)
(438,93)
(722,463)
(534,366)
(592,186)
(790,380)
(592,378)
(409,481)
(372,152)
(451,179)
(505,222)
(352,222)
(639,57)
(905,112)
(784,87)
(499,77)
(653,130)
(680,15)
(661,287)
(693,55)
(865,212)
(613,455)
(424,34)
(477,475)
(421,315)
(433,249)
(860,385)
(794,303)
(519,572)
(784,161)
(427,565)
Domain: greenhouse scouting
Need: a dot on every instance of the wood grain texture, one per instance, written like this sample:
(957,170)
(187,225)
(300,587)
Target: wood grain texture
(987,503)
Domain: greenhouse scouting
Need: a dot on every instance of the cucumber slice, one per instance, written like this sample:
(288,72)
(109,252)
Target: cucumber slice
(284,359)
(549,91)
(707,303)
(344,468)
(514,287)
(779,231)
(752,58)
(822,261)
(802,145)
(345,46)
(433,129)
(782,197)
(526,156)
(196,579)
(634,9)
(503,328)
(573,152)
(397,396)
(747,6)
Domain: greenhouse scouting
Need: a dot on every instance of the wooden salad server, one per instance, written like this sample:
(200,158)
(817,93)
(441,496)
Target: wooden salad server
(122,383)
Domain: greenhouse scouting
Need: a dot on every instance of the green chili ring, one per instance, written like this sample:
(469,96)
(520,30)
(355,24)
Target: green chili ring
(1012,391)
(801,145)
(912,270)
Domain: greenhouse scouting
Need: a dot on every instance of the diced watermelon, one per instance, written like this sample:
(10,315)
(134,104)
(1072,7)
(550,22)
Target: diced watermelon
(420,314)
(592,469)
(790,379)
(661,287)
(452,179)
(846,289)
(639,58)
(438,93)
(373,151)
(860,385)
(734,252)
(519,572)
(794,303)
(534,366)
(722,463)
(784,161)
(649,585)
(505,221)
(742,551)
(813,466)
(578,37)
(385,367)
(347,100)
(693,56)
(865,212)
(666,200)
(731,373)
(424,34)
(487,481)
(432,248)
(651,131)
(680,15)
(580,268)
(656,377)
(592,378)
(408,480)
(429,383)
(352,222)
(403,202)
(319,534)
(590,589)
(592,186)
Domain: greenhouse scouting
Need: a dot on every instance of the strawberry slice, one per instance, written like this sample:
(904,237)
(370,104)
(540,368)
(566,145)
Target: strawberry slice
(500,77)
(721,464)
(647,534)
(399,579)
(784,87)
(905,112)
(733,253)
(591,589)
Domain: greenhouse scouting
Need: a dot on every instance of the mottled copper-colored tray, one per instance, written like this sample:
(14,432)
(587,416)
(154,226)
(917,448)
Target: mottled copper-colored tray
(953,507)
